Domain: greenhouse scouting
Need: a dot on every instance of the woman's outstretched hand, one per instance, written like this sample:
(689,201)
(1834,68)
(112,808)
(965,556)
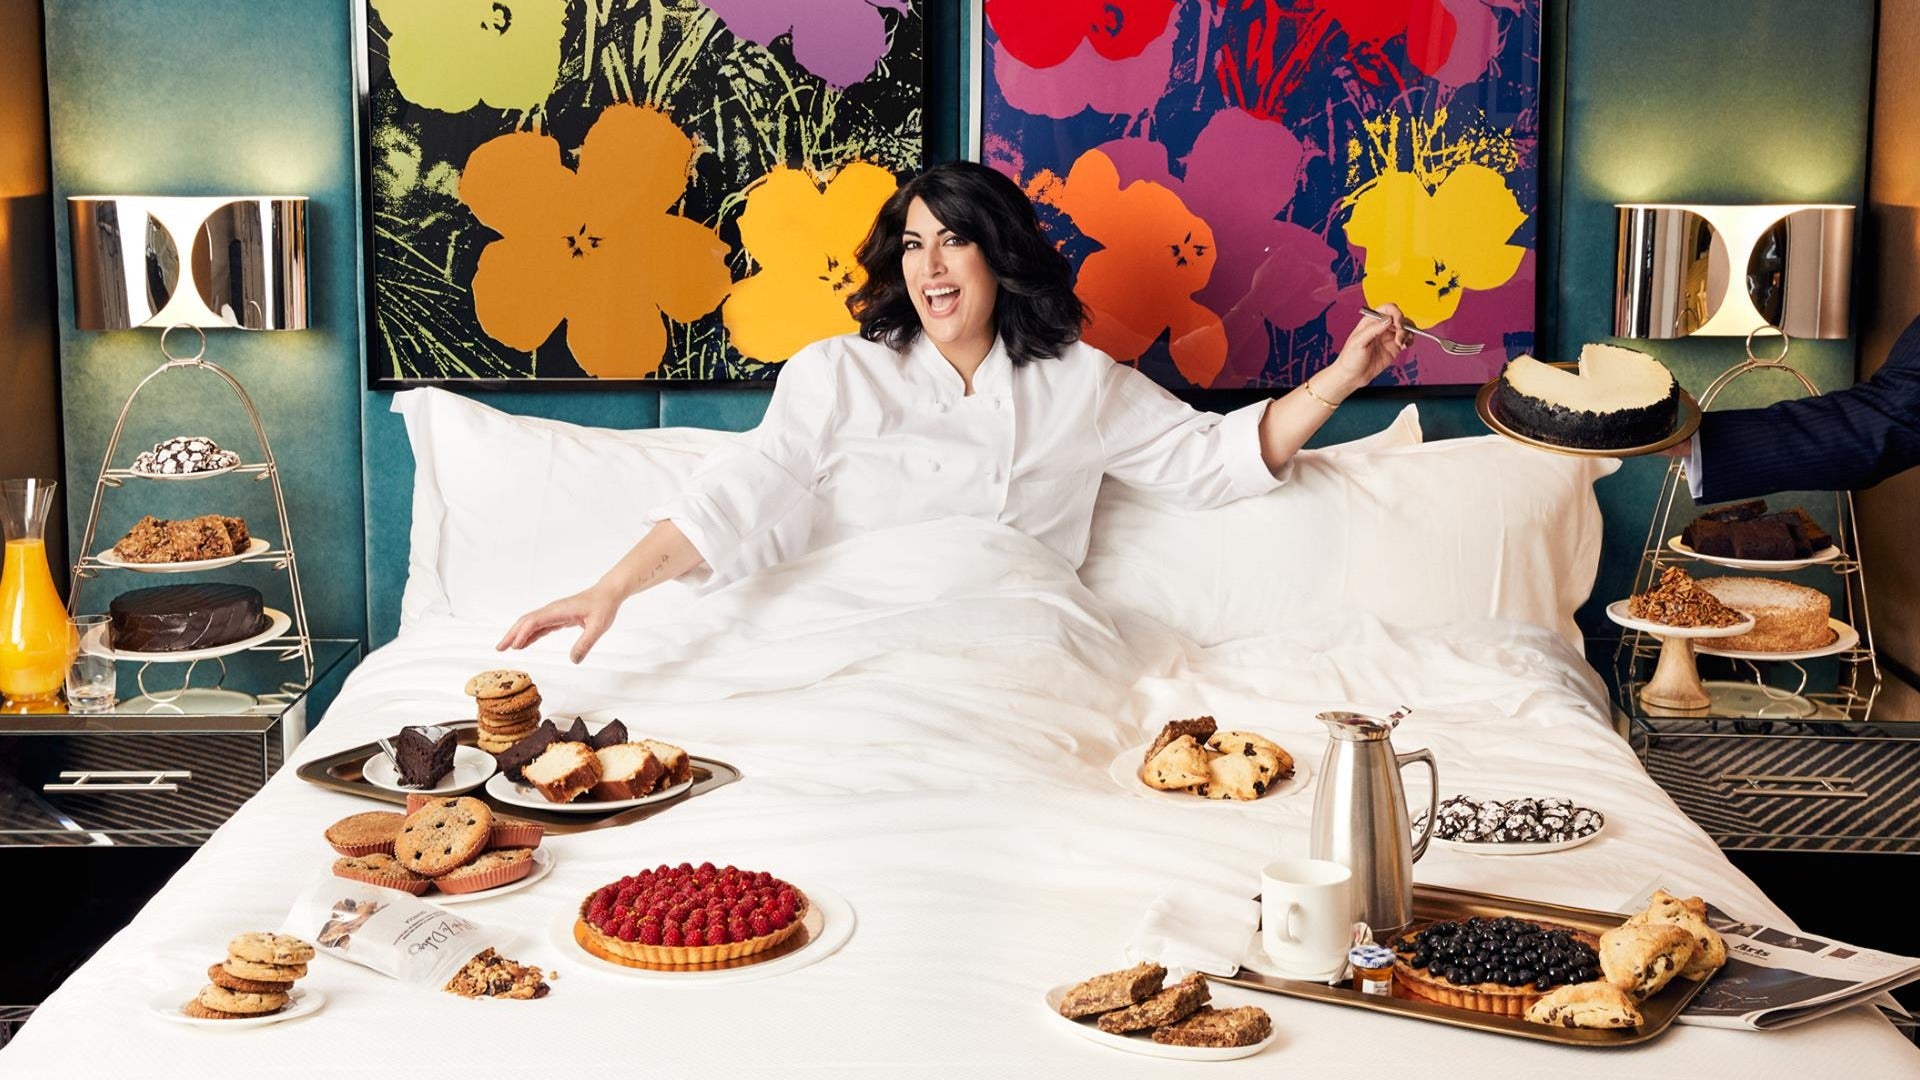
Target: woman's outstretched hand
(592,610)
(1370,348)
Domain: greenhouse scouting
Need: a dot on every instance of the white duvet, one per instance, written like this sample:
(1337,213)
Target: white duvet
(925,719)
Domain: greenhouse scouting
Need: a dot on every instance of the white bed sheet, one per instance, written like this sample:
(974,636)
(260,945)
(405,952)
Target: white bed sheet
(925,719)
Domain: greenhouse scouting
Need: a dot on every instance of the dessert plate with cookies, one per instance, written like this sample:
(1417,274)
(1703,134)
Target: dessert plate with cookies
(1139,1011)
(253,986)
(1193,759)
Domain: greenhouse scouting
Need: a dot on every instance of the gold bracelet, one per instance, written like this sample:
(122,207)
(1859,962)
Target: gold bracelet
(1308,387)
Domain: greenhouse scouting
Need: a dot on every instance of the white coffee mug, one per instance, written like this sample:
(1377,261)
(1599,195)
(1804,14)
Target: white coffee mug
(1306,916)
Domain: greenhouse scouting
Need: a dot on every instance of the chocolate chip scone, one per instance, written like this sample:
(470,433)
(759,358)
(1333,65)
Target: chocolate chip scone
(1113,990)
(1209,1026)
(443,835)
(1175,1003)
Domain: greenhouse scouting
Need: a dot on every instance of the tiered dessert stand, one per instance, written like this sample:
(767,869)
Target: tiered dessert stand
(286,633)
(1658,676)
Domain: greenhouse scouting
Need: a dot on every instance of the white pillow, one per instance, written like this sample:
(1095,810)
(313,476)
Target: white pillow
(1418,535)
(510,512)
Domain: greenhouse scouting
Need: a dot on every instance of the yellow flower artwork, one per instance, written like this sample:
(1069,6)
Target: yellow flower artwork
(1425,248)
(451,55)
(804,239)
(593,246)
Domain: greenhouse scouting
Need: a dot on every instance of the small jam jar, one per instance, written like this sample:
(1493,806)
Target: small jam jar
(1372,969)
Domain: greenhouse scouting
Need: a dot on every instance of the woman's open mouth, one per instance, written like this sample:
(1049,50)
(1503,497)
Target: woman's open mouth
(941,299)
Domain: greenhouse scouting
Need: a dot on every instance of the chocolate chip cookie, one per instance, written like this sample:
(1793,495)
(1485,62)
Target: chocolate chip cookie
(262,947)
(498,684)
(443,835)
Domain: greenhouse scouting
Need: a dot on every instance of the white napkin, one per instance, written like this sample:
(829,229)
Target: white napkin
(1197,928)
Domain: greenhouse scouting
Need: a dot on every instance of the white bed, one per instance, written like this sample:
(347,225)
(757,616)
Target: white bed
(925,720)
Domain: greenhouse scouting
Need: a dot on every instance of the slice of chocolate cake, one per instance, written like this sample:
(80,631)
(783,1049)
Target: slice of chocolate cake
(1764,538)
(1736,512)
(424,755)
(515,758)
(612,735)
(577,733)
(1709,537)
(1809,530)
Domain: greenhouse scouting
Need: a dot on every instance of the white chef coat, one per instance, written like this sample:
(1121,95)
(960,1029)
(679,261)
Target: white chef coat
(860,437)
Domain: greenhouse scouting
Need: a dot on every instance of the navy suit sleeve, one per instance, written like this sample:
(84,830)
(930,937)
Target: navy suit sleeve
(1842,441)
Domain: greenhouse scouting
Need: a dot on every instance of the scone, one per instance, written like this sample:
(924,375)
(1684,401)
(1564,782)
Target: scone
(1114,990)
(1640,960)
(1709,950)
(1180,765)
(1585,1005)
(1247,744)
(1236,776)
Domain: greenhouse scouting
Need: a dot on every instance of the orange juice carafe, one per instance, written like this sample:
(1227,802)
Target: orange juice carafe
(36,640)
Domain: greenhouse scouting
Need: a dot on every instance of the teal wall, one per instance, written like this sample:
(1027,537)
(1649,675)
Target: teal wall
(1728,100)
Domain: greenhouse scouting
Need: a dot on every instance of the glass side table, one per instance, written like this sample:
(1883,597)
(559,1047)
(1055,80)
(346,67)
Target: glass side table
(167,765)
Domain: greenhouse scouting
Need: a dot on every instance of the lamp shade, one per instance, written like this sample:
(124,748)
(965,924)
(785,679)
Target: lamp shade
(1730,270)
(208,262)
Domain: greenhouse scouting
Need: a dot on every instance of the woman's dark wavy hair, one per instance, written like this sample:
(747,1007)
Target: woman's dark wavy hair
(1036,314)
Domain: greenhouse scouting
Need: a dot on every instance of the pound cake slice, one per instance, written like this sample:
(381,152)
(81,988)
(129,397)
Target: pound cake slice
(1243,1026)
(627,771)
(674,760)
(1169,1006)
(563,771)
(1114,990)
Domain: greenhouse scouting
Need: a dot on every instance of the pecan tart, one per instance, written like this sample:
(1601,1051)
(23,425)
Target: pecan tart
(1500,966)
(679,915)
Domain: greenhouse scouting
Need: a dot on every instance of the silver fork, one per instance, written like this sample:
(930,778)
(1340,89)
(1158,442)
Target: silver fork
(1455,348)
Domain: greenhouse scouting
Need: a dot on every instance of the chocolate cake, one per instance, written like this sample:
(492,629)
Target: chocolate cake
(1746,531)
(612,735)
(1618,398)
(175,618)
(516,757)
(424,755)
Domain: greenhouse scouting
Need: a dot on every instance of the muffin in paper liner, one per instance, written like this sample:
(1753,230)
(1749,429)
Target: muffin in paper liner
(416,886)
(513,833)
(353,842)
(682,955)
(502,869)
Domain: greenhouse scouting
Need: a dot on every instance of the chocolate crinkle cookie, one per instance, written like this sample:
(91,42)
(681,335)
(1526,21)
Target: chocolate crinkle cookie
(1514,821)
(184,454)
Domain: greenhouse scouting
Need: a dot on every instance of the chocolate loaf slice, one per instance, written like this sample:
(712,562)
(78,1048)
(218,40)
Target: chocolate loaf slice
(515,758)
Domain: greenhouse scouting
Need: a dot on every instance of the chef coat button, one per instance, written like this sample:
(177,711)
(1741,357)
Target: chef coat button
(994,476)
(935,466)
(939,406)
(996,403)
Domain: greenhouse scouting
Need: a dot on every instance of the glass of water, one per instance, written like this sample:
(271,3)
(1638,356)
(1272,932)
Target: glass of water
(90,678)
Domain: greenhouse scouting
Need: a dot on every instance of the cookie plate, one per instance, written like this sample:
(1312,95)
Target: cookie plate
(1223,997)
(471,768)
(502,787)
(542,866)
(301,1001)
(255,546)
(1125,771)
(825,927)
(1825,554)
(1494,847)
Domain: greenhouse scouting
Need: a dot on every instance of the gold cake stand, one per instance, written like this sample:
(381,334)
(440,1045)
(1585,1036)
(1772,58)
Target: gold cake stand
(1689,423)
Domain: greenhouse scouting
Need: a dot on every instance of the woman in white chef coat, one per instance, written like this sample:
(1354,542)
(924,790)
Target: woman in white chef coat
(967,391)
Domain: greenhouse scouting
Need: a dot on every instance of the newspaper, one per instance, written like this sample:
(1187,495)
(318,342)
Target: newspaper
(1778,978)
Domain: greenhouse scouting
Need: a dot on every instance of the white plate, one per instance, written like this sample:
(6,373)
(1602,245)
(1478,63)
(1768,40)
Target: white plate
(1825,554)
(471,768)
(829,921)
(1844,637)
(1125,771)
(200,474)
(277,623)
(542,866)
(1617,611)
(300,1002)
(1224,996)
(1493,847)
(502,787)
(255,546)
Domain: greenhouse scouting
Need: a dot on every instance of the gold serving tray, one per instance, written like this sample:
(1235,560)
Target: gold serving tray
(1689,423)
(1432,903)
(341,772)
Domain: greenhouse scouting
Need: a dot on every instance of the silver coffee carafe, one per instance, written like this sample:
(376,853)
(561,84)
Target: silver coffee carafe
(1360,817)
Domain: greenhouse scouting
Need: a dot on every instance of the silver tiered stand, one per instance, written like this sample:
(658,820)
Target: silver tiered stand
(297,644)
(1755,698)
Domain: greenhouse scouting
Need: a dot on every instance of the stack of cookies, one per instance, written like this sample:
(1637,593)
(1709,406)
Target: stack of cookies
(509,707)
(256,978)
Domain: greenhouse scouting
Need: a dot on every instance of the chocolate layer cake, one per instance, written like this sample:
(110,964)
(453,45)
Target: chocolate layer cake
(174,618)
(1619,398)
(424,755)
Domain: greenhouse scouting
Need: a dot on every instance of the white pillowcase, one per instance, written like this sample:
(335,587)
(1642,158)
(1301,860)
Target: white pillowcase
(510,512)
(1418,535)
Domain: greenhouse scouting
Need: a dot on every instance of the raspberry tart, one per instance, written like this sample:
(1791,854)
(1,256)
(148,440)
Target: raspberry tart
(682,915)
(1499,966)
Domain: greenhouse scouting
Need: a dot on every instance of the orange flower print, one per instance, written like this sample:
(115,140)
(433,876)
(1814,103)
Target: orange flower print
(804,239)
(593,246)
(1155,254)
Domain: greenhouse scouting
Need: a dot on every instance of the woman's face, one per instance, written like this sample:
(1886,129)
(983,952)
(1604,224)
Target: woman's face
(952,287)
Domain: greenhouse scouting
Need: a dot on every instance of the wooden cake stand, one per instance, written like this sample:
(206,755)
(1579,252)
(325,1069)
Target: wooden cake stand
(1676,677)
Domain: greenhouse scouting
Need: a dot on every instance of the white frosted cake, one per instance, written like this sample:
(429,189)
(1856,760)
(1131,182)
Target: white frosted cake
(1618,398)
